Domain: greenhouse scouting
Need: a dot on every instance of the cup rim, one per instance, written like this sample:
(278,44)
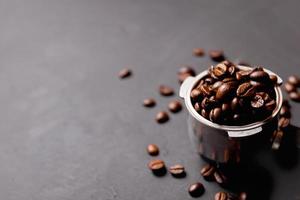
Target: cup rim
(196,115)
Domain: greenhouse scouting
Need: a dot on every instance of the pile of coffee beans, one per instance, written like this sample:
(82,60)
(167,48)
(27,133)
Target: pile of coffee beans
(232,96)
(291,87)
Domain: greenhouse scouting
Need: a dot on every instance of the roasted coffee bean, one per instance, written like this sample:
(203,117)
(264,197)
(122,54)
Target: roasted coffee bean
(257,101)
(217,55)
(216,85)
(229,79)
(260,76)
(274,79)
(208,172)
(283,122)
(289,87)
(197,107)
(204,113)
(205,90)
(162,117)
(206,103)
(150,102)
(295,96)
(245,90)
(221,196)
(177,171)
(226,107)
(220,70)
(196,189)
(294,80)
(124,73)
(235,104)
(198,52)
(220,178)
(242,75)
(215,114)
(166,90)
(257,84)
(285,112)
(157,167)
(175,106)
(153,149)
(185,72)
(226,90)
(195,94)
(265,96)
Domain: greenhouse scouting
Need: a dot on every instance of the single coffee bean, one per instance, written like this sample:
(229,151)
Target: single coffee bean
(257,84)
(217,55)
(220,70)
(226,107)
(221,196)
(274,79)
(235,104)
(215,115)
(257,101)
(225,90)
(283,122)
(198,52)
(285,112)
(220,177)
(205,90)
(124,73)
(175,106)
(196,189)
(243,75)
(245,90)
(295,96)
(162,117)
(157,167)
(185,72)
(260,76)
(195,94)
(153,150)
(208,172)
(150,102)
(177,171)
(204,113)
(289,87)
(294,80)
(197,107)
(166,90)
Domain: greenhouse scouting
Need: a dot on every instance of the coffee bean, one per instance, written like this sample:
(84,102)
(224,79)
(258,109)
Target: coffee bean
(283,122)
(294,80)
(157,167)
(215,115)
(175,106)
(185,72)
(162,117)
(153,150)
(198,52)
(232,69)
(245,90)
(257,101)
(226,107)
(221,196)
(274,79)
(220,178)
(206,104)
(197,107)
(205,90)
(196,189)
(295,96)
(235,104)
(204,113)
(177,171)
(220,70)
(217,55)
(150,102)
(260,76)
(225,90)
(285,112)
(216,85)
(289,87)
(257,84)
(195,94)
(208,172)
(228,79)
(166,90)
(124,73)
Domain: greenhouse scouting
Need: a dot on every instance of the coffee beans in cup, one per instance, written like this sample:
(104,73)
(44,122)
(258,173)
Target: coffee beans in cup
(231,95)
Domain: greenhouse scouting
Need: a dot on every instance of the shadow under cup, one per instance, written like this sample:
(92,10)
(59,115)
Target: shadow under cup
(228,144)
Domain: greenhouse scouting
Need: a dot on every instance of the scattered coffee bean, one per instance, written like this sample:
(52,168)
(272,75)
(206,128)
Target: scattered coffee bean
(294,80)
(124,73)
(177,171)
(220,177)
(283,122)
(221,196)
(166,90)
(150,102)
(217,55)
(243,75)
(162,117)
(185,72)
(215,114)
(289,87)
(153,150)
(157,167)
(196,189)
(208,172)
(295,96)
(175,106)
(198,52)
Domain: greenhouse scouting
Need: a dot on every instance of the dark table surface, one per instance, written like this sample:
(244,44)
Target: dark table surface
(70,129)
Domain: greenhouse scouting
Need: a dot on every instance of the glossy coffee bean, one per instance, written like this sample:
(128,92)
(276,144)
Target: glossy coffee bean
(243,75)
(260,76)
(295,96)
(177,171)
(150,102)
(166,90)
(157,167)
(153,149)
(245,90)
(175,106)
(294,80)
(205,90)
(226,107)
(205,114)
(220,178)
(220,70)
(195,94)
(208,172)
(196,189)
(215,114)
(162,117)
(225,90)
(221,196)
(198,52)
(124,73)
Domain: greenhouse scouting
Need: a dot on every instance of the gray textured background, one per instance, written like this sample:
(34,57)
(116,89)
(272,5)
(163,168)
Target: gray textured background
(71,130)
